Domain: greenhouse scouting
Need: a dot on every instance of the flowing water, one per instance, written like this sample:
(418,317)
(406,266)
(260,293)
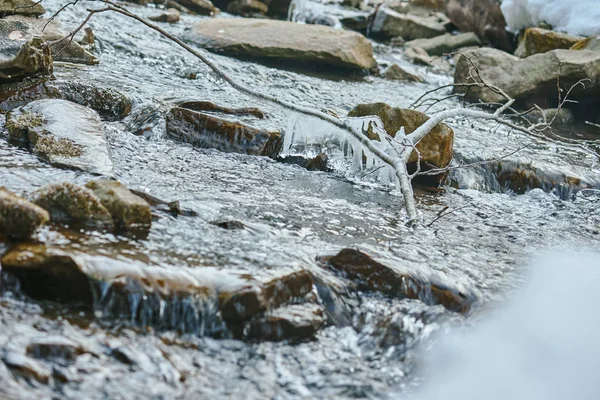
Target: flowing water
(291,217)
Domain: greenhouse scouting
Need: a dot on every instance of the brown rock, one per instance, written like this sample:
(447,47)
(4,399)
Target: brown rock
(208,131)
(19,218)
(301,43)
(201,7)
(372,276)
(435,148)
(294,323)
(390,23)
(171,16)
(247,7)
(21,7)
(538,40)
(397,73)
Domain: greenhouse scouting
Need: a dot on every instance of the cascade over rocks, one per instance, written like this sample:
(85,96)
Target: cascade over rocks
(301,43)
(19,218)
(372,276)
(532,80)
(435,148)
(209,131)
(63,133)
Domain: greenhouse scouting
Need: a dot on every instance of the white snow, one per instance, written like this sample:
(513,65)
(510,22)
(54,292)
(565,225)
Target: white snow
(576,17)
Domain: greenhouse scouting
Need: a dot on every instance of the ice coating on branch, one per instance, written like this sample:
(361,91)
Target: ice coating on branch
(576,17)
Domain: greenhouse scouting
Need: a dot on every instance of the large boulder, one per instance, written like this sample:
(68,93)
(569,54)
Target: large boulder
(532,80)
(484,17)
(19,218)
(21,7)
(63,133)
(435,149)
(285,41)
(71,204)
(446,43)
(209,131)
(129,212)
(390,23)
(538,40)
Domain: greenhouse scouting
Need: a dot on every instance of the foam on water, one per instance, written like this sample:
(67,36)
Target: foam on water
(544,345)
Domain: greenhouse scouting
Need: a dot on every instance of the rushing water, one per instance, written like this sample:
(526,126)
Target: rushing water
(291,217)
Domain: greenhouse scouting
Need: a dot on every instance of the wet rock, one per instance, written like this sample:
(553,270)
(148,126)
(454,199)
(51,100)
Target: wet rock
(446,43)
(556,116)
(172,207)
(63,133)
(23,29)
(318,163)
(372,276)
(108,102)
(538,40)
(390,23)
(21,7)
(359,23)
(591,44)
(247,8)
(129,212)
(201,7)
(55,347)
(21,59)
(532,80)
(484,17)
(71,204)
(208,131)
(212,107)
(171,16)
(230,225)
(19,218)
(397,73)
(436,148)
(301,44)
(26,367)
(294,323)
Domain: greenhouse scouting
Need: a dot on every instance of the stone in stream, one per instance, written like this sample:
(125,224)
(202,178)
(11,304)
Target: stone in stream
(247,8)
(71,204)
(155,296)
(532,80)
(209,131)
(317,163)
(56,347)
(19,218)
(294,323)
(213,107)
(484,17)
(108,102)
(21,7)
(171,15)
(21,29)
(201,7)
(436,149)
(281,41)
(390,23)
(129,212)
(372,276)
(22,59)
(538,40)
(396,73)
(446,43)
(26,367)
(63,133)
(592,44)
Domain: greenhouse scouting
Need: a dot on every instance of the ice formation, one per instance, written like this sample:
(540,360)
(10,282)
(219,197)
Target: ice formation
(577,17)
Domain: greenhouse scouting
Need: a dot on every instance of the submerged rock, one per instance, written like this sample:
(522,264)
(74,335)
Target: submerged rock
(71,204)
(372,276)
(436,148)
(390,23)
(294,323)
(63,133)
(446,43)
(285,41)
(129,212)
(108,102)
(55,347)
(171,16)
(484,17)
(19,218)
(538,40)
(532,80)
(26,367)
(209,131)
(21,7)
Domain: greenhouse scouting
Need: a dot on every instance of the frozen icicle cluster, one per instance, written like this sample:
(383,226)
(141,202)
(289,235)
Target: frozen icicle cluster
(577,17)
(309,136)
